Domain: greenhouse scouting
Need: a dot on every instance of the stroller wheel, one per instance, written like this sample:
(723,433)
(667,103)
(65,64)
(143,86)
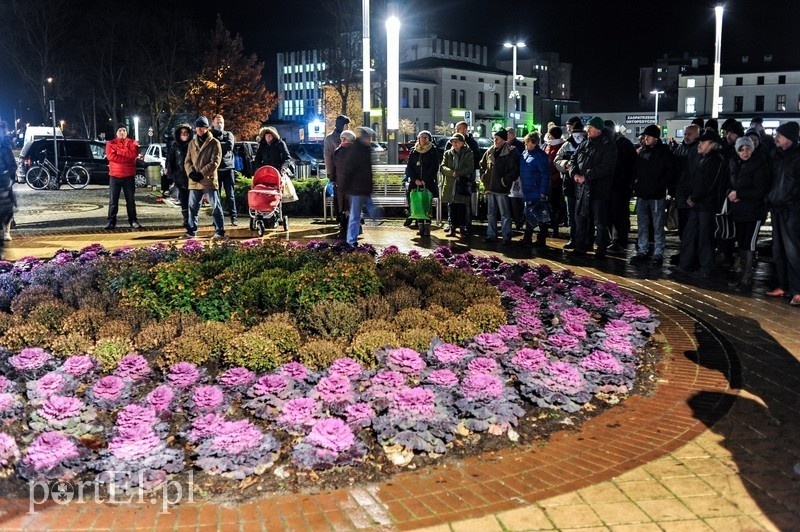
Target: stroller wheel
(285,223)
(252,224)
(260,227)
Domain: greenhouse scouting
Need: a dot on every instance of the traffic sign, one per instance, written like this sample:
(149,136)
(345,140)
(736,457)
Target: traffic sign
(468,117)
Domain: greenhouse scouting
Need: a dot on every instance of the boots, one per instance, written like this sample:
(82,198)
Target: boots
(747,261)
(527,238)
(185,213)
(424,228)
(344,220)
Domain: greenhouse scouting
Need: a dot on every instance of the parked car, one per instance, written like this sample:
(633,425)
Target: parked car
(246,150)
(90,154)
(483,144)
(379,154)
(403,151)
(308,152)
(156,153)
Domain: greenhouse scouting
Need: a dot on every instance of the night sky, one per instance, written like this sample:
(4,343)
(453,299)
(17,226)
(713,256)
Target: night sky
(607,41)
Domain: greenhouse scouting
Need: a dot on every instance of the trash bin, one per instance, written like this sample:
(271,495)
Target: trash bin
(303,169)
(153,173)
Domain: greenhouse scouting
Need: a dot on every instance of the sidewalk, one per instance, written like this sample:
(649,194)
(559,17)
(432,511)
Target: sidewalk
(713,449)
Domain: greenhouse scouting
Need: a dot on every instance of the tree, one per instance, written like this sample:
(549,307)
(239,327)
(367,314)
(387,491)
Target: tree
(342,56)
(230,84)
(333,106)
(407,127)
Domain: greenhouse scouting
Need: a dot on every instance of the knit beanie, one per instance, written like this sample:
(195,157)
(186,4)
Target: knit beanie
(745,141)
(790,130)
(503,134)
(596,122)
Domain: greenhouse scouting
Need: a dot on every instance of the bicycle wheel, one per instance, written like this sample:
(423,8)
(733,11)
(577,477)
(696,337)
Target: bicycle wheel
(77,177)
(37,177)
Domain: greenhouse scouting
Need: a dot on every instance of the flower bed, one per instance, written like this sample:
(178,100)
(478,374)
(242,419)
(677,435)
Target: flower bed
(235,360)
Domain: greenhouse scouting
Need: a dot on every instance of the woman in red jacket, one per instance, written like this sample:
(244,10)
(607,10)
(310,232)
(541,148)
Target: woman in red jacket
(121,153)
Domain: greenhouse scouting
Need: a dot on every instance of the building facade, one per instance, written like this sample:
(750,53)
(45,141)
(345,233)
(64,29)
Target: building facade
(553,78)
(299,76)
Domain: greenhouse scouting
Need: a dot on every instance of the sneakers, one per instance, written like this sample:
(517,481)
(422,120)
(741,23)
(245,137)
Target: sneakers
(7,235)
(135,225)
(658,260)
(218,236)
(109,226)
(189,234)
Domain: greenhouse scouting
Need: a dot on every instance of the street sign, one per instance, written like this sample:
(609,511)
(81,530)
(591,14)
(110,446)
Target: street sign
(468,118)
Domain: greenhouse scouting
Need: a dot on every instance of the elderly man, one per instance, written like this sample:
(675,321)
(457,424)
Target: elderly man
(784,202)
(592,169)
(354,176)
(203,157)
(225,173)
(332,141)
(499,170)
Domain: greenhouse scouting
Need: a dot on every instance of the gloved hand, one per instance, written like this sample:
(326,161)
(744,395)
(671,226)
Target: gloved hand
(196,176)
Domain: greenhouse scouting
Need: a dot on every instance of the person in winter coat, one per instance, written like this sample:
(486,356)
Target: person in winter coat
(653,172)
(707,177)
(593,167)
(8,168)
(499,170)
(463,128)
(226,172)
(784,202)
(354,176)
(457,171)
(620,214)
(422,171)
(557,205)
(121,153)
(747,188)
(685,161)
(534,178)
(332,141)
(563,164)
(176,157)
(272,150)
(203,157)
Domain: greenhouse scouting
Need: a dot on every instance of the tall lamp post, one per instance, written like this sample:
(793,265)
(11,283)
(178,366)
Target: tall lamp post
(514,94)
(657,93)
(365,61)
(136,128)
(392,84)
(717,59)
(44,95)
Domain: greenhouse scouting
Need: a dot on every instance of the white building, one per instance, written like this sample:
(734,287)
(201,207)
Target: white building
(299,77)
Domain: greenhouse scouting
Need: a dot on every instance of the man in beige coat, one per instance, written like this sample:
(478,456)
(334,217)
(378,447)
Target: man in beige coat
(203,157)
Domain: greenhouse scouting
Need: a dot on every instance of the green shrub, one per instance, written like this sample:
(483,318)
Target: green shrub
(418,338)
(404,297)
(114,329)
(377,325)
(85,320)
(51,315)
(255,352)
(375,307)
(110,350)
(76,343)
(457,329)
(333,319)
(156,335)
(309,197)
(364,345)
(487,317)
(22,335)
(319,354)
(284,335)
(272,290)
(346,278)
(200,343)
(411,318)
(6,321)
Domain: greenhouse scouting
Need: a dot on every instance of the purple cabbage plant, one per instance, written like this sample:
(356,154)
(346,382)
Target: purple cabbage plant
(183,376)
(80,366)
(161,400)
(206,399)
(110,392)
(346,366)
(269,393)
(31,362)
(9,452)
(485,403)
(359,416)
(608,373)
(53,383)
(236,450)
(7,386)
(416,419)
(236,380)
(382,387)
(133,367)
(67,414)
(53,456)
(335,392)
(556,385)
(297,416)
(10,406)
(402,360)
(331,443)
(490,344)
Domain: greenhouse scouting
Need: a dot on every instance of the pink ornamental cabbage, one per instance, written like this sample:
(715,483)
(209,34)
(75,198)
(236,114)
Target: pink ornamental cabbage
(527,306)
(50,449)
(449,353)
(418,402)
(298,412)
(443,377)
(633,311)
(359,412)
(205,426)
(509,332)
(294,370)
(207,397)
(5,384)
(8,401)
(9,452)
(335,388)
(529,323)
(236,378)
(133,443)
(529,359)
(563,376)
(575,328)
(575,314)
(78,365)
(481,386)
(160,398)
(134,415)
(235,437)
(133,367)
(483,365)
(109,388)
(49,384)
(582,293)
(183,375)
(563,341)
(332,434)
(388,380)
(618,328)
(269,385)
(491,343)
(405,360)
(596,302)
(58,408)
(602,362)
(29,359)
(345,366)
(618,344)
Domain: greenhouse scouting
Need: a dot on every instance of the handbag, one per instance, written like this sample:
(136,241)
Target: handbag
(420,199)
(671,221)
(537,212)
(463,186)
(288,192)
(725,228)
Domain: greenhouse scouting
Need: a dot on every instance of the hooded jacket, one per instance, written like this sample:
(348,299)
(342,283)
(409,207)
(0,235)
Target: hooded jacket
(274,153)
(423,164)
(499,169)
(205,158)
(176,157)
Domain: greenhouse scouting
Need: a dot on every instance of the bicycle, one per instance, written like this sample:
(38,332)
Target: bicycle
(45,175)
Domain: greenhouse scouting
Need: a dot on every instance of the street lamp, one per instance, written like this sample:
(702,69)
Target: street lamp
(136,128)
(392,84)
(514,94)
(44,94)
(717,59)
(366,99)
(657,93)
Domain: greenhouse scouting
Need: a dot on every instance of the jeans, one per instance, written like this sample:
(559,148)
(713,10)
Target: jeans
(647,210)
(195,200)
(496,202)
(226,181)
(128,186)
(357,204)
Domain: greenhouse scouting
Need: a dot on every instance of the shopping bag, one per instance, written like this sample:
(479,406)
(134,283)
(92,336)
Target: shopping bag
(671,221)
(288,191)
(420,199)
(464,185)
(725,228)
(238,162)
(537,212)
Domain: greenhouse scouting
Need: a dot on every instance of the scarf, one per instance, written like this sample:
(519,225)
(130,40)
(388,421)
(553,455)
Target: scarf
(420,149)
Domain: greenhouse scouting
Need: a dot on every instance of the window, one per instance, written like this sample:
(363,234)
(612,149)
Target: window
(496,102)
(481,100)
(760,80)
(415,98)
(738,104)
(463,78)
(759,103)
(690,105)
(453,100)
(426,98)
(462,99)
(782,79)
(404,98)
(780,102)
(690,83)
(524,100)
(480,80)
(453,76)
(739,81)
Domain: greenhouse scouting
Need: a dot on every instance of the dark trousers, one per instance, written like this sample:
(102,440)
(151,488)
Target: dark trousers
(226,181)
(183,198)
(517,211)
(457,214)
(697,243)
(786,249)
(620,218)
(683,219)
(596,219)
(557,208)
(166,182)
(571,222)
(128,187)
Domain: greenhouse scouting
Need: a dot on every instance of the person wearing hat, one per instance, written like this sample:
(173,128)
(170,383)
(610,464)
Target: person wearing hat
(653,173)
(767,141)
(619,207)
(515,202)
(354,177)
(176,157)
(709,179)
(557,206)
(458,180)
(121,153)
(748,182)
(563,164)
(272,150)
(422,171)
(329,145)
(783,199)
(592,170)
(499,170)
(686,157)
(203,157)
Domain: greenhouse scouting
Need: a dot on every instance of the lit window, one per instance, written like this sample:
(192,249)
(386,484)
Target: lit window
(690,105)
(690,83)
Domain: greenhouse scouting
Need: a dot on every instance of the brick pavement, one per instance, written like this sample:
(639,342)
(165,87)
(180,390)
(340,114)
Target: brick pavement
(652,463)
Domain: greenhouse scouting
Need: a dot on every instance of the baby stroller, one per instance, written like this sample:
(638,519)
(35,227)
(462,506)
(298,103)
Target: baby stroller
(264,200)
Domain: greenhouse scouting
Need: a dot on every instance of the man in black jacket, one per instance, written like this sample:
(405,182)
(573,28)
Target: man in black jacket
(620,218)
(227,177)
(652,175)
(354,176)
(592,169)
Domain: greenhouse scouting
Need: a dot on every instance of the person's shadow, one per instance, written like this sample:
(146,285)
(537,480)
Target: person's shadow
(760,426)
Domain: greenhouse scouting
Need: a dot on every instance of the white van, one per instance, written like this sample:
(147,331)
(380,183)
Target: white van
(41,132)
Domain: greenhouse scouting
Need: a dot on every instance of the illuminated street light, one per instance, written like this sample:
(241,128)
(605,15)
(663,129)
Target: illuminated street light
(44,93)
(136,128)
(392,85)
(514,93)
(365,62)
(717,59)
(657,93)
